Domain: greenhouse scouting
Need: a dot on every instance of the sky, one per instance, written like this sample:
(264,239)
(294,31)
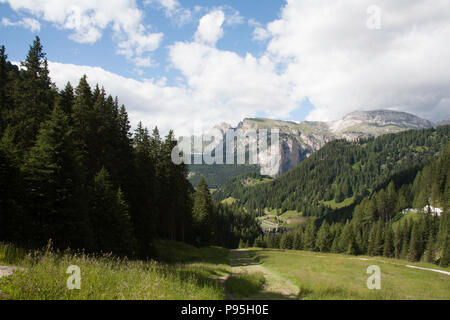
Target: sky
(177,63)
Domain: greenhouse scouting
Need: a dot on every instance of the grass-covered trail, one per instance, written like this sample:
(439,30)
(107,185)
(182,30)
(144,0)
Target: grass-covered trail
(251,280)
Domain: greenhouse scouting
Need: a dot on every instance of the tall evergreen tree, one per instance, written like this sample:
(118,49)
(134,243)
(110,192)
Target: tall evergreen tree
(34,96)
(202,213)
(53,174)
(324,238)
(389,250)
(309,237)
(109,217)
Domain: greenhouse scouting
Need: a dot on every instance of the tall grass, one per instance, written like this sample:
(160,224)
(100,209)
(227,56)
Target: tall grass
(106,277)
(325,276)
(11,254)
(245,284)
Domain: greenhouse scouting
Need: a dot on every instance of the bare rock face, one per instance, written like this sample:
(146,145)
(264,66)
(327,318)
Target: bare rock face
(442,123)
(377,122)
(298,140)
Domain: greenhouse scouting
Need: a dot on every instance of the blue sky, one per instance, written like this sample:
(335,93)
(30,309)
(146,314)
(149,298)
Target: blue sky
(174,63)
(59,47)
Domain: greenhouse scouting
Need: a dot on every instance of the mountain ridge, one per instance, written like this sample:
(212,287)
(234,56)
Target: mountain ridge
(298,140)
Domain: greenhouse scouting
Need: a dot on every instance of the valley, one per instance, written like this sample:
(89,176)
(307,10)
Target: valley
(82,190)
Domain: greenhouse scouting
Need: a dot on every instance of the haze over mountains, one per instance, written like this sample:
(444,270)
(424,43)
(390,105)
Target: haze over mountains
(298,140)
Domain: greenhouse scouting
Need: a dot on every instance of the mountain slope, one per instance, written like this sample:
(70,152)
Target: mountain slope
(342,170)
(298,140)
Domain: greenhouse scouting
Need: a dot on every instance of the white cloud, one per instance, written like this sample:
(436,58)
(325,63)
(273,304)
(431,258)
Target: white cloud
(173,10)
(233,17)
(334,59)
(241,87)
(210,27)
(317,49)
(27,23)
(88,19)
(259,32)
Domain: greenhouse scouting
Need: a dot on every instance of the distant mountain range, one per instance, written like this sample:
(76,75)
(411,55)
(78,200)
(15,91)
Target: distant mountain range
(298,140)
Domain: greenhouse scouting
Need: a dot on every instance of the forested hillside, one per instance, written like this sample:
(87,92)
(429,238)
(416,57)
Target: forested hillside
(73,172)
(216,174)
(381,227)
(342,171)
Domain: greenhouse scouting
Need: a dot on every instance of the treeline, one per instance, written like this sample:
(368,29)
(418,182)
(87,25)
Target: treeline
(342,170)
(216,174)
(220,224)
(71,170)
(378,226)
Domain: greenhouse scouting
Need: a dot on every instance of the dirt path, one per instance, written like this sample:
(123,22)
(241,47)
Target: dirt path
(6,271)
(276,287)
(405,265)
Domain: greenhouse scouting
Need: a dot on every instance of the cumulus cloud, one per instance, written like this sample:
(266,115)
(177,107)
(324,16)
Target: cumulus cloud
(210,27)
(32,24)
(334,59)
(88,19)
(242,87)
(318,49)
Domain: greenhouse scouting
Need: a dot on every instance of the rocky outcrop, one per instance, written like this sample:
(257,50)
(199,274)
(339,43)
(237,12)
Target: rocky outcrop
(298,140)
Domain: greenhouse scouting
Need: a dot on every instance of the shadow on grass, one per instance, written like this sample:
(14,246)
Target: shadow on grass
(244,284)
(243,259)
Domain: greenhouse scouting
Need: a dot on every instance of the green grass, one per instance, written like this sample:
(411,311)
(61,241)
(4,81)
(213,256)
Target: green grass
(335,276)
(229,200)
(291,214)
(255,182)
(333,205)
(245,284)
(293,218)
(194,276)
(191,273)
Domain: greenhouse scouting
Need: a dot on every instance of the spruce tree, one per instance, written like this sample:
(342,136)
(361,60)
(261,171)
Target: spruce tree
(34,96)
(389,250)
(324,238)
(297,242)
(109,216)
(309,238)
(445,256)
(202,213)
(57,206)
(429,251)
(414,245)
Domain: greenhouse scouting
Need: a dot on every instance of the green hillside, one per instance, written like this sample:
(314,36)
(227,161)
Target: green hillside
(341,170)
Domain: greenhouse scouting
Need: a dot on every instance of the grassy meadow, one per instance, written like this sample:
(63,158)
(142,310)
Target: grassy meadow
(337,276)
(194,274)
(185,272)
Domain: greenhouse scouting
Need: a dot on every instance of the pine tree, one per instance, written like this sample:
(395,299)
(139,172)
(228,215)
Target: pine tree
(11,196)
(429,251)
(379,239)
(445,257)
(110,220)
(202,213)
(283,241)
(309,238)
(34,97)
(397,242)
(414,245)
(53,175)
(324,238)
(66,99)
(144,195)
(297,242)
(389,249)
